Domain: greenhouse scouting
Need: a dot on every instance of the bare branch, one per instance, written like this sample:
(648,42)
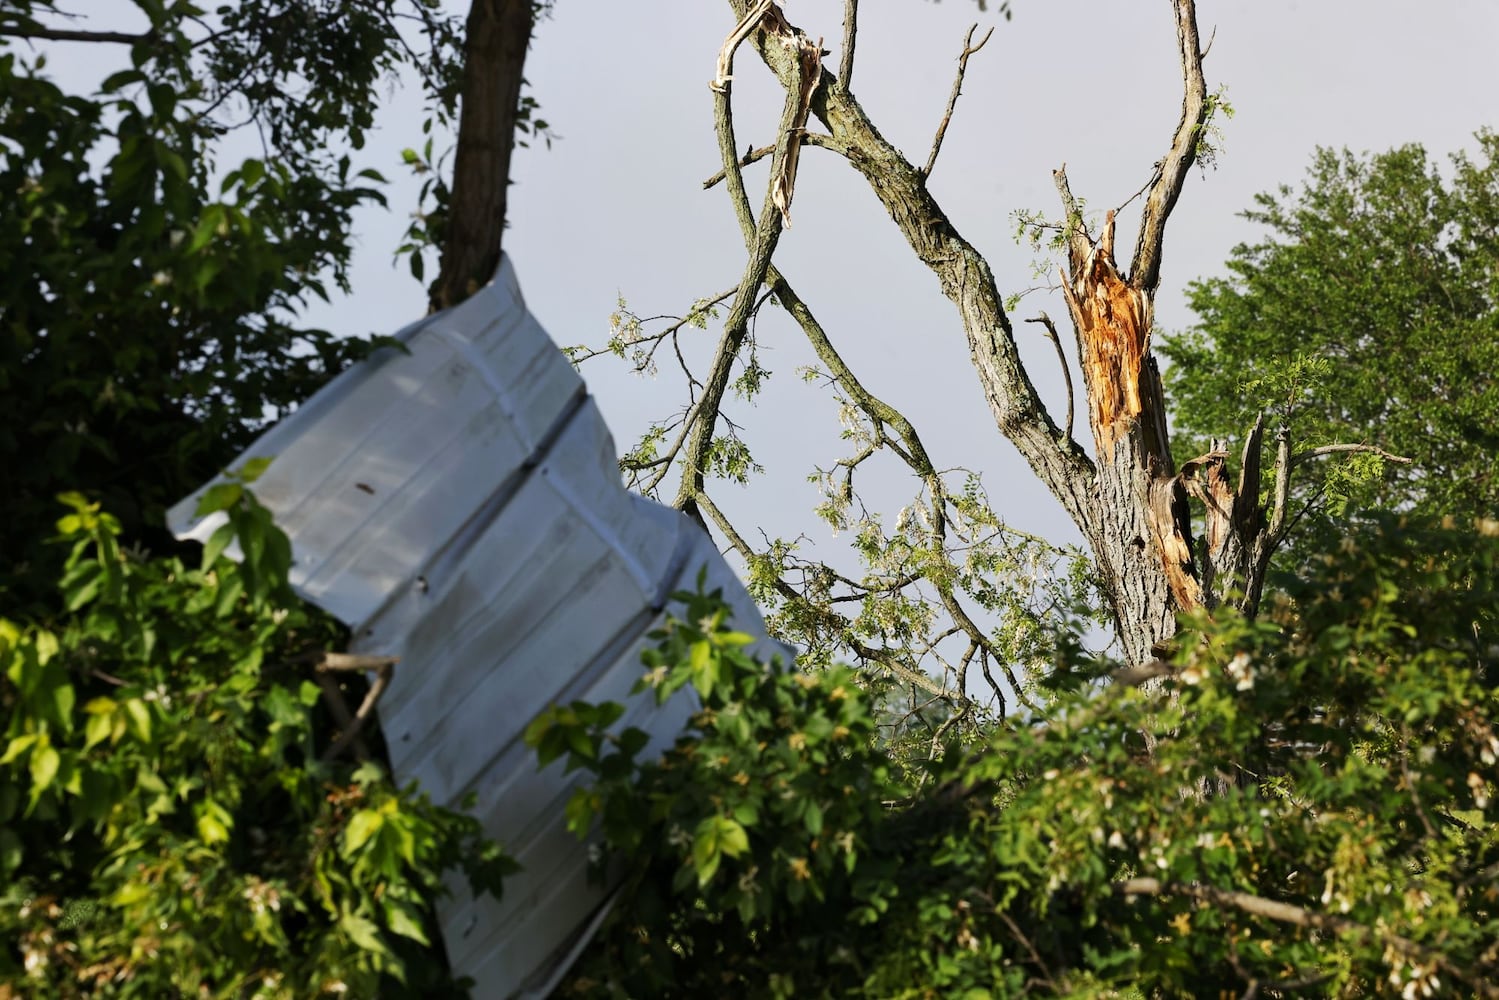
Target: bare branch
(1051,334)
(1145,268)
(850,34)
(69,35)
(1347,449)
(952,100)
(753,156)
(766,235)
(333,662)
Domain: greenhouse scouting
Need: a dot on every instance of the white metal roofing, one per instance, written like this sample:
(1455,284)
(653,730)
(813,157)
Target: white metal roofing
(459,506)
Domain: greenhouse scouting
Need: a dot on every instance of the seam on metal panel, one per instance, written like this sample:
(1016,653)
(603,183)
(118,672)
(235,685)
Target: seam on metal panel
(610,653)
(452,551)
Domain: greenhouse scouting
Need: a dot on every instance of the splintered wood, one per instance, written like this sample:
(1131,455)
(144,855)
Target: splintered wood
(1113,323)
(766,14)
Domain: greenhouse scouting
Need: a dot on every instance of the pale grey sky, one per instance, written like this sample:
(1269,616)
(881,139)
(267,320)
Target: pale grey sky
(616,206)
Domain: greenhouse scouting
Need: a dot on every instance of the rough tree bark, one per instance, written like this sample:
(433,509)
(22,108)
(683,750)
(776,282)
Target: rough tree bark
(498,33)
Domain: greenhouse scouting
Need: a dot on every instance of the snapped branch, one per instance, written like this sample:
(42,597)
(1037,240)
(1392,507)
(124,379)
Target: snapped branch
(850,35)
(1347,449)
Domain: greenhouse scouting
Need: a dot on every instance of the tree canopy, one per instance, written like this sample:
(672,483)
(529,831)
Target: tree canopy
(152,284)
(1368,312)
(1306,807)
(187,806)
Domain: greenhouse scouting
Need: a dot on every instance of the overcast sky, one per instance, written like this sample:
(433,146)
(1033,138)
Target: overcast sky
(616,206)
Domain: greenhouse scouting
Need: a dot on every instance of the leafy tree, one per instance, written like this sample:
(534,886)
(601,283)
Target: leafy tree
(150,288)
(1368,312)
(178,815)
(1348,845)
(171,822)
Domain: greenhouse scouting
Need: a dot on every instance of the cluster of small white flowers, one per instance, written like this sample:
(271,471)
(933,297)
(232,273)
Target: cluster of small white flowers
(1480,789)
(1490,752)
(262,896)
(1241,671)
(1415,981)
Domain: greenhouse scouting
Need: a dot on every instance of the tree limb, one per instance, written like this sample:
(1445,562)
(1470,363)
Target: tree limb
(965,279)
(952,100)
(1145,268)
(1345,449)
(36,31)
(767,235)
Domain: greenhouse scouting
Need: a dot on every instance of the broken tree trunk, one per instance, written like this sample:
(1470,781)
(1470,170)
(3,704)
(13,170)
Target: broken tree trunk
(1142,532)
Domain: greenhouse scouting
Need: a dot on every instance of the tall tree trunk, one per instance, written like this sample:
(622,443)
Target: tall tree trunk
(498,33)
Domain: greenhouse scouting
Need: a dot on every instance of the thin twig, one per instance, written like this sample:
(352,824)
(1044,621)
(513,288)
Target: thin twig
(755,155)
(952,99)
(1051,334)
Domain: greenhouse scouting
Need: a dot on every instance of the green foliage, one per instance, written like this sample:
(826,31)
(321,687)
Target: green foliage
(1366,315)
(745,847)
(167,827)
(1306,804)
(149,288)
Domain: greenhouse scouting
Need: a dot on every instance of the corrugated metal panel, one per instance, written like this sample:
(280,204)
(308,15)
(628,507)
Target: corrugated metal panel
(459,506)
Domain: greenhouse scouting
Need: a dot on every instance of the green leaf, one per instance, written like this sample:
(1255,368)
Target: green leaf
(363,825)
(216,544)
(702,666)
(138,713)
(214,822)
(45,761)
(363,933)
(403,919)
(253,469)
(18,746)
(219,496)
